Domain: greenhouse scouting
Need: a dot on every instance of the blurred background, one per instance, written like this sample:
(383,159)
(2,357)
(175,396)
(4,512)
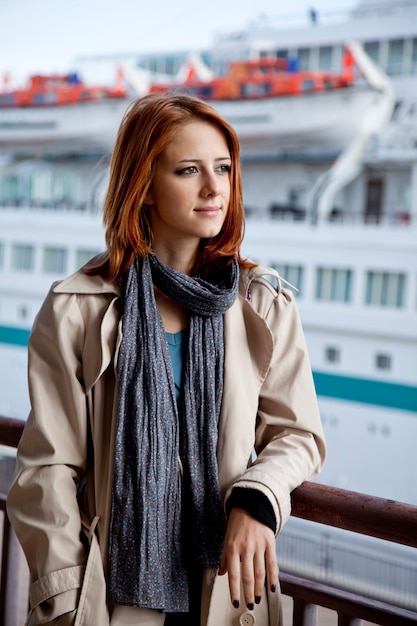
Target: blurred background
(323,97)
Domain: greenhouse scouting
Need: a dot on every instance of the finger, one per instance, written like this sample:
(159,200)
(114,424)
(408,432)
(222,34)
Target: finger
(223,564)
(230,563)
(272,565)
(260,573)
(234,572)
(248,579)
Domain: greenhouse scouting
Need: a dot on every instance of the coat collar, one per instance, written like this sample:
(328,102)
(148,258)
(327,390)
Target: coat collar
(82,283)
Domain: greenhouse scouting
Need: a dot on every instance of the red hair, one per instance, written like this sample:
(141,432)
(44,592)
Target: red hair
(148,126)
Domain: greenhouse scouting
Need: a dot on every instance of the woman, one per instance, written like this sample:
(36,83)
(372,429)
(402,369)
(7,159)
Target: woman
(154,373)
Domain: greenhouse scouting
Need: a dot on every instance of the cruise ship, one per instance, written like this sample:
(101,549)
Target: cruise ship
(338,220)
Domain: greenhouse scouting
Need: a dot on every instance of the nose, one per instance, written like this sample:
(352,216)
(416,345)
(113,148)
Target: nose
(211,186)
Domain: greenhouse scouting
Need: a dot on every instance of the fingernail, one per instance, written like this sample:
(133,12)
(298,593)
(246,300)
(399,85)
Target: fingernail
(257,599)
(273,588)
(236,604)
(250,606)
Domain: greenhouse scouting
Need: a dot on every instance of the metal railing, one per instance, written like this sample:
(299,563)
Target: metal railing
(339,508)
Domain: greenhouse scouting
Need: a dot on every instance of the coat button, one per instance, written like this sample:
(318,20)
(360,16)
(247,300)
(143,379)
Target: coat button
(247,619)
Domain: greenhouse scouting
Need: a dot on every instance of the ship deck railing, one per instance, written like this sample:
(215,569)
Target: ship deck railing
(293,214)
(363,514)
(393,217)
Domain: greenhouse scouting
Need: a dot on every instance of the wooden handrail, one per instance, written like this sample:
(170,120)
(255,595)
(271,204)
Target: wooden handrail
(358,512)
(361,513)
(10,431)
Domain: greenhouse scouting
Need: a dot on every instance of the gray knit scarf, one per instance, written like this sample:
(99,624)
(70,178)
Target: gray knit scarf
(157,507)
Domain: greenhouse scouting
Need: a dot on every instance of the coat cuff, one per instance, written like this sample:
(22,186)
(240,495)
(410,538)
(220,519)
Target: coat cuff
(255,503)
(279,498)
(55,594)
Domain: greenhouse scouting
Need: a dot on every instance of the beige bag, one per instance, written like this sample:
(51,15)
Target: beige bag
(222,613)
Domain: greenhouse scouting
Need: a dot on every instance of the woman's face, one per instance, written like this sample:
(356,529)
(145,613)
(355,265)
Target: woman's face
(190,190)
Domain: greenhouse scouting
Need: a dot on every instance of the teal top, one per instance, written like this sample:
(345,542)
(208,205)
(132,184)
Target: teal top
(177,343)
(253,501)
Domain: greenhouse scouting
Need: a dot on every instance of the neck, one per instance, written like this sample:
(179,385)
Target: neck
(182,259)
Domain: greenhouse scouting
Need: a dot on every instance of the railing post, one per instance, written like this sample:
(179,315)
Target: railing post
(304,614)
(4,559)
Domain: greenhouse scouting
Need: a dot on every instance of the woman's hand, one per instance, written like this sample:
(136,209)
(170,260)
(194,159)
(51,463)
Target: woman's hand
(249,555)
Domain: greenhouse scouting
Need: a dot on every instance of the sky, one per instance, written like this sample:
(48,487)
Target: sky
(44,36)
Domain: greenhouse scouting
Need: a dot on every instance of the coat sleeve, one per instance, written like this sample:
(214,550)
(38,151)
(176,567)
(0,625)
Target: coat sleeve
(51,460)
(289,440)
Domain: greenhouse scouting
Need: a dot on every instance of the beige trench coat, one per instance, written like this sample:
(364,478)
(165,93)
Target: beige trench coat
(63,476)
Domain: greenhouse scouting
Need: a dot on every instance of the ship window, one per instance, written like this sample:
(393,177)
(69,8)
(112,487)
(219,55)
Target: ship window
(84,255)
(23,257)
(7,99)
(414,57)
(328,83)
(22,312)
(63,184)
(292,273)
(395,56)
(372,50)
(325,58)
(44,98)
(332,354)
(40,187)
(338,53)
(151,64)
(255,89)
(333,284)
(303,56)
(385,289)
(170,65)
(204,92)
(281,54)
(10,190)
(54,260)
(205,57)
(308,85)
(383,361)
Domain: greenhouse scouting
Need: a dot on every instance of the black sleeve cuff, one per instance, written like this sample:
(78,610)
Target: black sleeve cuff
(253,502)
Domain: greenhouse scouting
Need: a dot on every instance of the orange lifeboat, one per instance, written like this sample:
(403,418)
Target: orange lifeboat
(262,78)
(57,90)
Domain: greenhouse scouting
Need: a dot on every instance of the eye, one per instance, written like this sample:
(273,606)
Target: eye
(224,168)
(191,169)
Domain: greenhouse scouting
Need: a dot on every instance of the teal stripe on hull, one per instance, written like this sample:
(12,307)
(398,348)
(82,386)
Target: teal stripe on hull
(14,336)
(365,391)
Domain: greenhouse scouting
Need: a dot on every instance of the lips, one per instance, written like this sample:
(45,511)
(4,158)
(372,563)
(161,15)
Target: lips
(208,209)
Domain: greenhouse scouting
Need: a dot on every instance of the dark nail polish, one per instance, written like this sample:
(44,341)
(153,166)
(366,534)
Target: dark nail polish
(257,599)
(273,588)
(250,606)
(236,604)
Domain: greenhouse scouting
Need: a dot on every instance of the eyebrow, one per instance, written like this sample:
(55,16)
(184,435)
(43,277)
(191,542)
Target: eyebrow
(192,160)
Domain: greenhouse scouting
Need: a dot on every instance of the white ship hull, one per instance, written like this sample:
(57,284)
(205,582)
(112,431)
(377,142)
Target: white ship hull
(309,122)
(327,120)
(90,127)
